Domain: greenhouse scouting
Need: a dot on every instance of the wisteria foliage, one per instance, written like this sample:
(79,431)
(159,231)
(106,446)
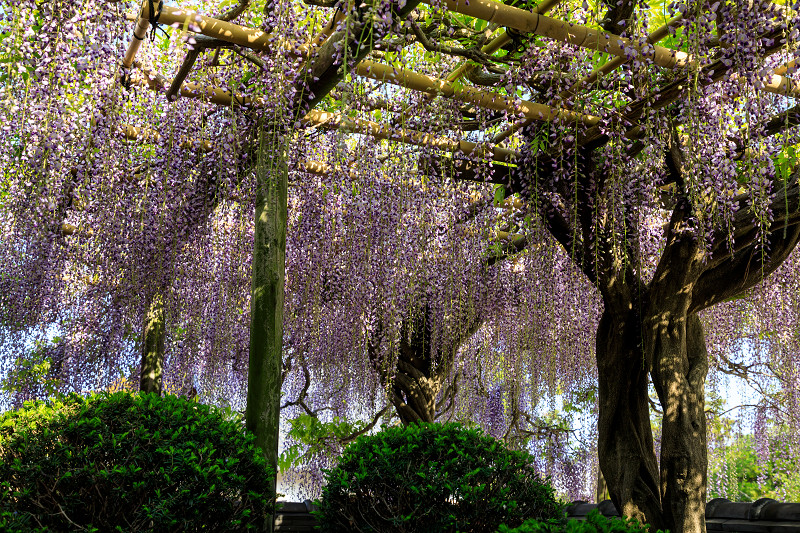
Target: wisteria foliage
(94,224)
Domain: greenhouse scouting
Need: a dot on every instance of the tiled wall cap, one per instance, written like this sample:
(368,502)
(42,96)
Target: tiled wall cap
(713,506)
(607,508)
(757,508)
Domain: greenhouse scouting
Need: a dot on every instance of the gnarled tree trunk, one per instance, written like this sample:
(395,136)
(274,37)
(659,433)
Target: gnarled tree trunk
(417,379)
(674,496)
(655,330)
(150,374)
(625,439)
(679,373)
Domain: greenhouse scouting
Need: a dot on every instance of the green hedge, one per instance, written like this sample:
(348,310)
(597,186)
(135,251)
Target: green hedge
(123,462)
(595,523)
(432,477)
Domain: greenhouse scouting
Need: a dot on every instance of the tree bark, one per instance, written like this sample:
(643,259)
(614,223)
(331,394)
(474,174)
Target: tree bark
(601,490)
(679,373)
(625,439)
(150,373)
(419,375)
(266,298)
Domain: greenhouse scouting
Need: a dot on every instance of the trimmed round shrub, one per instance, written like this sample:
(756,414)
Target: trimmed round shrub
(432,477)
(129,462)
(595,523)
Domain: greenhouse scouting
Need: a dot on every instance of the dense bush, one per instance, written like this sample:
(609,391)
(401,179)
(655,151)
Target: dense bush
(595,523)
(432,477)
(122,462)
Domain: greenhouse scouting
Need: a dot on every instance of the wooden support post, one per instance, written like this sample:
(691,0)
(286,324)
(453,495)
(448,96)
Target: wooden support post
(262,412)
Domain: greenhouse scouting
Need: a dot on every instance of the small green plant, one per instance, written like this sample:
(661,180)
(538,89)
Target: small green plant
(314,437)
(432,477)
(129,462)
(595,523)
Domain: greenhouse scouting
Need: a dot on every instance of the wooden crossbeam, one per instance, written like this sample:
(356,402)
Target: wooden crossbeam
(135,133)
(559,30)
(382,131)
(327,120)
(489,100)
(607,67)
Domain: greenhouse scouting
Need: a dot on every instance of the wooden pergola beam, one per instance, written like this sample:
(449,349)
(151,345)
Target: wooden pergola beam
(489,100)
(607,67)
(135,133)
(220,96)
(559,30)
(338,121)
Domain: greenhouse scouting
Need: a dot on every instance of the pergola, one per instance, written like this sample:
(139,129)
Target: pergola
(505,22)
(533,22)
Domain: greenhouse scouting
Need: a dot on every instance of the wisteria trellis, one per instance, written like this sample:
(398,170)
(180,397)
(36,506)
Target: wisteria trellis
(649,183)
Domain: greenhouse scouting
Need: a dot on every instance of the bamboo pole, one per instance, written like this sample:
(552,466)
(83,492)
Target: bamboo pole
(68,229)
(219,29)
(486,9)
(489,100)
(139,33)
(489,48)
(591,38)
(209,93)
(489,10)
(782,85)
(327,120)
(135,133)
(652,38)
(499,41)
(582,36)
(381,131)
(780,71)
